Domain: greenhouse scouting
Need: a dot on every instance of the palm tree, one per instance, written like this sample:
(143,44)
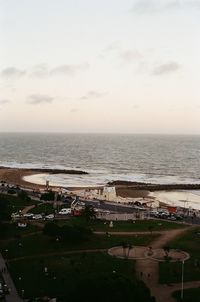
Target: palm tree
(130,247)
(89,213)
(166,250)
(124,246)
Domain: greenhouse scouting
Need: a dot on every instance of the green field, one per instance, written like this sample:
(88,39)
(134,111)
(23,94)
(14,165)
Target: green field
(12,231)
(15,203)
(43,208)
(82,277)
(126,226)
(171,272)
(40,244)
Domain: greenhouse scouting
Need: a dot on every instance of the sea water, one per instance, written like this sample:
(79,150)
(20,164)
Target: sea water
(144,158)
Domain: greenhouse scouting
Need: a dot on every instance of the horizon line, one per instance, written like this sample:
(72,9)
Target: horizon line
(99,133)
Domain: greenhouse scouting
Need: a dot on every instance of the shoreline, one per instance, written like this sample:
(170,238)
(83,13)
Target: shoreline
(167,194)
(15,176)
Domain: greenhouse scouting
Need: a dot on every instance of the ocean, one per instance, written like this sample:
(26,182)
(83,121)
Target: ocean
(144,158)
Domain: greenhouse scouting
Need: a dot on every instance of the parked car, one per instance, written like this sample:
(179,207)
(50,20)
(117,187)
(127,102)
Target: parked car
(172,217)
(50,216)
(65,211)
(179,217)
(37,216)
(28,215)
(15,215)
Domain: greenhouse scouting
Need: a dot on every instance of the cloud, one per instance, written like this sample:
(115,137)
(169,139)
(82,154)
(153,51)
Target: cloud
(131,55)
(112,47)
(4,102)
(166,68)
(36,99)
(68,69)
(135,106)
(12,72)
(156,6)
(93,95)
(74,110)
(40,70)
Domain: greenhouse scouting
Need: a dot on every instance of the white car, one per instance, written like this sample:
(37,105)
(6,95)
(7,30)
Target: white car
(15,215)
(65,211)
(37,216)
(50,216)
(28,215)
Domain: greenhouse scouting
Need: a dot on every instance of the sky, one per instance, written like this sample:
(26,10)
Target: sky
(116,66)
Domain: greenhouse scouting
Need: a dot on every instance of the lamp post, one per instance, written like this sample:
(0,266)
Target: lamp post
(182,280)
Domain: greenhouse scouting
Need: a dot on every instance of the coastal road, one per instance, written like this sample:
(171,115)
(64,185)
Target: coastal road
(113,207)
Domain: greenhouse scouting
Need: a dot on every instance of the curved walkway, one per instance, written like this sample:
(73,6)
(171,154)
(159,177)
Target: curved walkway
(147,268)
(150,270)
(58,254)
(28,208)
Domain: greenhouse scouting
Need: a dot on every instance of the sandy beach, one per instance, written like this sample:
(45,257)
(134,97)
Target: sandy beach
(15,176)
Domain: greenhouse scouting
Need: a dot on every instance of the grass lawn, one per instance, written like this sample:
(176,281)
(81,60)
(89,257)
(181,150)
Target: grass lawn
(171,272)
(126,226)
(11,230)
(64,272)
(43,208)
(16,203)
(40,244)
(189,295)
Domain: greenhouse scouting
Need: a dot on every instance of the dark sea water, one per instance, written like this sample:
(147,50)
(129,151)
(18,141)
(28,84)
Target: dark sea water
(148,158)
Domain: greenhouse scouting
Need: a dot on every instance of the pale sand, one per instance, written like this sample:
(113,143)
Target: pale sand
(14,176)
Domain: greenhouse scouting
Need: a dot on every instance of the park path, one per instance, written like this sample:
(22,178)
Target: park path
(61,253)
(13,295)
(28,208)
(130,233)
(148,267)
(148,270)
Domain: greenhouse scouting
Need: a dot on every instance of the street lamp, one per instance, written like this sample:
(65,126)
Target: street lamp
(182,279)
(22,294)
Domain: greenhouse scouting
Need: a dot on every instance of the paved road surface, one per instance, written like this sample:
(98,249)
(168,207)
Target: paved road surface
(13,296)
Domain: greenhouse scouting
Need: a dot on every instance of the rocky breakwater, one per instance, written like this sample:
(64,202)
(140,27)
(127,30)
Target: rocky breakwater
(153,187)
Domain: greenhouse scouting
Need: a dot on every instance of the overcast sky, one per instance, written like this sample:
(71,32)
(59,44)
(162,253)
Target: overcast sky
(100,66)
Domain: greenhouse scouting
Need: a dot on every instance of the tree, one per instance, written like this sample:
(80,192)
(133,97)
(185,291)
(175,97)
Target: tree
(166,250)
(108,287)
(48,196)
(23,195)
(124,246)
(4,209)
(130,247)
(89,213)
(67,233)
(150,228)
(74,234)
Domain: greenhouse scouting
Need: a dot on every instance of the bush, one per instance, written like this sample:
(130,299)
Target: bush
(66,233)
(48,196)
(51,229)
(4,209)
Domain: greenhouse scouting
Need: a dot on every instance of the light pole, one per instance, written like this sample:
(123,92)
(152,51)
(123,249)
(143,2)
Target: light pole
(182,280)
